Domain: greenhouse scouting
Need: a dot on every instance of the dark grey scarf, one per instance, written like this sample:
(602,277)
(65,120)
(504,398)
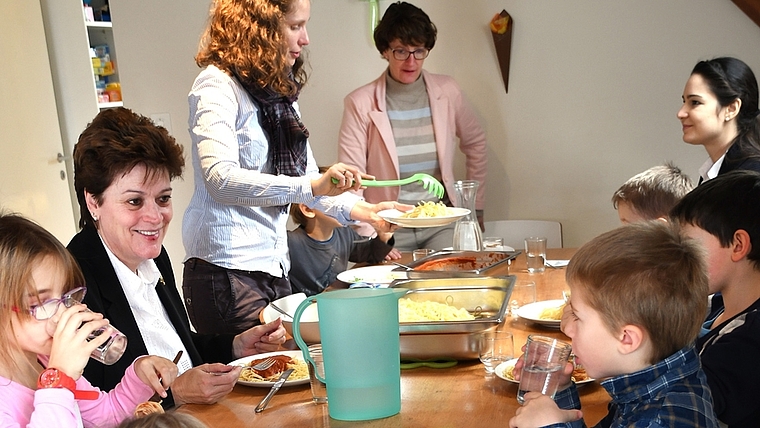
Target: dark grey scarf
(285,132)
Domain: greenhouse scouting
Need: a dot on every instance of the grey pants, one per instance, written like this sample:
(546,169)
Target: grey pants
(220,300)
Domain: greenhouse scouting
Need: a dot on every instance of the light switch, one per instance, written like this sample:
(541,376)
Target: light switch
(162,119)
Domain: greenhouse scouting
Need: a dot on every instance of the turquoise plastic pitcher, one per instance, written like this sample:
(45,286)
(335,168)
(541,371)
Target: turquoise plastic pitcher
(360,345)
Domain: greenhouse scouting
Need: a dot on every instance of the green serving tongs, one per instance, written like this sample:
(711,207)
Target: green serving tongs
(428,182)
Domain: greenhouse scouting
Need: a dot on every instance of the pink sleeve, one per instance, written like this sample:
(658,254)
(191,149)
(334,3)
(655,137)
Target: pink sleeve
(24,407)
(120,403)
(352,141)
(472,142)
(54,407)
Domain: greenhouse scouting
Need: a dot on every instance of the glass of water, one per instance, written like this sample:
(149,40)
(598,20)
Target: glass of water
(496,348)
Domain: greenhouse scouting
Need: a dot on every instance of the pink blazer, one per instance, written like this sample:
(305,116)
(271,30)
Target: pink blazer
(366,137)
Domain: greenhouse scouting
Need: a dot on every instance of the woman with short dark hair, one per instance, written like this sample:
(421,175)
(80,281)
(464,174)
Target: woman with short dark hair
(410,121)
(123,168)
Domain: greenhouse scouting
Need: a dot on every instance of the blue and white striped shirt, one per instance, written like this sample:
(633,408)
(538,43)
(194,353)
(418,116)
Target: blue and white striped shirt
(237,216)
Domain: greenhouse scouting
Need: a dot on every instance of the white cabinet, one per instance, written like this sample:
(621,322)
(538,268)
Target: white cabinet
(69,39)
(99,35)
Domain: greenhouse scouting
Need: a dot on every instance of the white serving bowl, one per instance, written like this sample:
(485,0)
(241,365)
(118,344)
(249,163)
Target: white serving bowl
(309,318)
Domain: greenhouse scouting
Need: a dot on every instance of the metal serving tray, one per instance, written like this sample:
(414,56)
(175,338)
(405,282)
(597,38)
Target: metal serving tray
(485,262)
(485,297)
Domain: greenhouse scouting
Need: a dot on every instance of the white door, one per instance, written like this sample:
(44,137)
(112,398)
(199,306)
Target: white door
(32,180)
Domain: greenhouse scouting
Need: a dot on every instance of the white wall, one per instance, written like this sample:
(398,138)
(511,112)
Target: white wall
(594,88)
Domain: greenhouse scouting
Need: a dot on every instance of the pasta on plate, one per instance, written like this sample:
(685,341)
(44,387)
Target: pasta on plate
(284,362)
(552,313)
(579,373)
(427,210)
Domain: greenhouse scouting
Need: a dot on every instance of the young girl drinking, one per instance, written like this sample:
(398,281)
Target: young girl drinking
(44,343)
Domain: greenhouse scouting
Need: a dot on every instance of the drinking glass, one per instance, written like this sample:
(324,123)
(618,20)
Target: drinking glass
(545,358)
(318,388)
(421,253)
(535,253)
(523,293)
(107,353)
(496,348)
(493,243)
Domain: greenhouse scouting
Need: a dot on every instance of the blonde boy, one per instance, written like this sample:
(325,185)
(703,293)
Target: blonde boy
(651,194)
(636,306)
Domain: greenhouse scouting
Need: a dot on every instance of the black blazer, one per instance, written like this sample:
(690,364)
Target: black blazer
(736,160)
(105,295)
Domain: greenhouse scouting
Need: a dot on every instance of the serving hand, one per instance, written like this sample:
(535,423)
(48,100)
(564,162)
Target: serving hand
(337,179)
(366,212)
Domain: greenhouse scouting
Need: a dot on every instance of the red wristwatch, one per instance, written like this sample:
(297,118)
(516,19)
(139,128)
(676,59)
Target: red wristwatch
(54,378)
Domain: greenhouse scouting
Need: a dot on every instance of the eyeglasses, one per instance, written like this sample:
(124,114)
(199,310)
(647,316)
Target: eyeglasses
(48,308)
(402,54)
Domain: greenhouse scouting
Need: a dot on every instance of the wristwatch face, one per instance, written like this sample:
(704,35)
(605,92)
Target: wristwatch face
(53,378)
(49,378)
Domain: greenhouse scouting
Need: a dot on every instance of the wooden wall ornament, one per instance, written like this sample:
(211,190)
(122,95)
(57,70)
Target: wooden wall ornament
(501,29)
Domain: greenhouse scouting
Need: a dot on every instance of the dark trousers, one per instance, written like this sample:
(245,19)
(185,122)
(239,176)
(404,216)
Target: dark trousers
(220,300)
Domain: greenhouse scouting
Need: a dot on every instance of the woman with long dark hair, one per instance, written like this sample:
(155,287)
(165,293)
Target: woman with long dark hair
(720,112)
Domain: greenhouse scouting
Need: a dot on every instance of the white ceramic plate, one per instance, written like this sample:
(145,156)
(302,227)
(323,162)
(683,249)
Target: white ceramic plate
(532,312)
(501,368)
(380,274)
(296,355)
(395,216)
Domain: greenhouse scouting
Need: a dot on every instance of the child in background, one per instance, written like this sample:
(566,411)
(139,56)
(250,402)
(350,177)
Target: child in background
(320,249)
(651,194)
(637,301)
(45,343)
(724,215)
(164,420)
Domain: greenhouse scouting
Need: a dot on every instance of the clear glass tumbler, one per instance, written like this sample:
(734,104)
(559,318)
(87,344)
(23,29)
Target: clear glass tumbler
(318,388)
(107,353)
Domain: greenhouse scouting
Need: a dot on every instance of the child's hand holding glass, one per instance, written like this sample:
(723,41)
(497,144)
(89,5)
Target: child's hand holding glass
(74,339)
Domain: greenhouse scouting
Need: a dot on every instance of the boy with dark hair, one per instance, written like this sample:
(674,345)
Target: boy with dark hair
(636,305)
(724,215)
(651,194)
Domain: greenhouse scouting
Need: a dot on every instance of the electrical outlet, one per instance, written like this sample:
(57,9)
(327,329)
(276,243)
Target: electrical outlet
(163,120)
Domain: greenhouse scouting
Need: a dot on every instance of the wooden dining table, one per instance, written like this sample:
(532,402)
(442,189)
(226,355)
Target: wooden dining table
(459,396)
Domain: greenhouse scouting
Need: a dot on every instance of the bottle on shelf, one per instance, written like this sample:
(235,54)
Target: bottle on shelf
(89,14)
(113,90)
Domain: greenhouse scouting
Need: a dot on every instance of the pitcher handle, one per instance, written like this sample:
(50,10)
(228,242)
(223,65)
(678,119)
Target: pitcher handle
(297,335)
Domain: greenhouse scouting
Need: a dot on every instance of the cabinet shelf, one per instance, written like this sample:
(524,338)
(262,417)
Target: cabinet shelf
(99,24)
(111,104)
